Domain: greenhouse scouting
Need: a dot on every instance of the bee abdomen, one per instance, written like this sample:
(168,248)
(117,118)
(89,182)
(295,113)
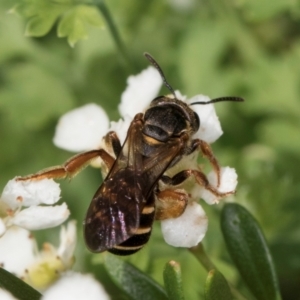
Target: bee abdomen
(141,236)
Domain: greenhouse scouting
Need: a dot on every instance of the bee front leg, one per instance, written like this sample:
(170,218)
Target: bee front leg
(170,203)
(200,178)
(112,140)
(208,153)
(72,166)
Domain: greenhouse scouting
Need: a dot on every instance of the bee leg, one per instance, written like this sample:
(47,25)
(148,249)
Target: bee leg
(112,140)
(72,166)
(200,178)
(170,204)
(208,153)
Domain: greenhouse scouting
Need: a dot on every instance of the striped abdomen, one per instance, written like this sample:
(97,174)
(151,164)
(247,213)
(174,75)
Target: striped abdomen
(142,235)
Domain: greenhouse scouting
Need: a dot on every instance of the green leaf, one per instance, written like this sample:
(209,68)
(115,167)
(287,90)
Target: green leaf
(41,14)
(135,283)
(74,23)
(74,19)
(249,251)
(173,281)
(216,287)
(17,287)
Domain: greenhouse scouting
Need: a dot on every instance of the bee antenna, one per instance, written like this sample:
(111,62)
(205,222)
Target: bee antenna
(221,99)
(158,68)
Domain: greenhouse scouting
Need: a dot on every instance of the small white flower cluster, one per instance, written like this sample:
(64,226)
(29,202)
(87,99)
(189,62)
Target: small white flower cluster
(47,270)
(38,268)
(30,205)
(141,89)
(72,286)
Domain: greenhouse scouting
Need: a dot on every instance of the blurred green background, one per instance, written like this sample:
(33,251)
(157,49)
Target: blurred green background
(217,48)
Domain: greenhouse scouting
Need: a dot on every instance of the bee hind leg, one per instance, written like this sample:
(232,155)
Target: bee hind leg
(170,203)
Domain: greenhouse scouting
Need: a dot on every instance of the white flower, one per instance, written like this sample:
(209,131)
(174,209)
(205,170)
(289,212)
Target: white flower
(29,193)
(5,295)
(19,255)
(76,286)
(47,270)
(121,127)
(141,89)
(210,128)
(21,204)
(17,250)
(188,229)
(82,128)
(228,183)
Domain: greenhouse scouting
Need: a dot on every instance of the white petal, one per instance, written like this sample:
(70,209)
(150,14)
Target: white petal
(41,217)
(81,129)
(17,250)
(67,243)
(5,295)
(188,229)
(121,127)
(27,193)
(228,183)
(179,96)
(75,286)
(2,227)
(141,90)
(210,127)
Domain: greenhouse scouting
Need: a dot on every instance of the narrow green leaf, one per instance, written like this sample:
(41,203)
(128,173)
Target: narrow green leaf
(17,287)
(173,281)
(248,249)
(216,287)
(134,282)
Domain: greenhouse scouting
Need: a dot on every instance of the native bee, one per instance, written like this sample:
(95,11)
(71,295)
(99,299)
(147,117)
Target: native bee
(120,216)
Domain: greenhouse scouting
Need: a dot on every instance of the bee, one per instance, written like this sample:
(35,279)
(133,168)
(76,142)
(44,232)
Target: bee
(123,209)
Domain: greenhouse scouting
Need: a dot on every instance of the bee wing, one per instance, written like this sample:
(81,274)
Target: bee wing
(162,159)
(114,213)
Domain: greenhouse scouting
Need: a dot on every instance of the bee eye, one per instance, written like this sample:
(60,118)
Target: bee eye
(196,124)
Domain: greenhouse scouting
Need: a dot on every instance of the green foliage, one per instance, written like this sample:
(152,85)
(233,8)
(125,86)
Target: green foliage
(248,249)
(135,283)
(72,18)
(245,48)
(73,25)
(173,280)
(216,287)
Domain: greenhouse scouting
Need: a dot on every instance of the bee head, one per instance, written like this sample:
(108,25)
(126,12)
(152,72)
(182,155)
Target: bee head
(177,115)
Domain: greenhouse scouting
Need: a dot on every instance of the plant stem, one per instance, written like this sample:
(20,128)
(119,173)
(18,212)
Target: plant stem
(113,29)
(200,254)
